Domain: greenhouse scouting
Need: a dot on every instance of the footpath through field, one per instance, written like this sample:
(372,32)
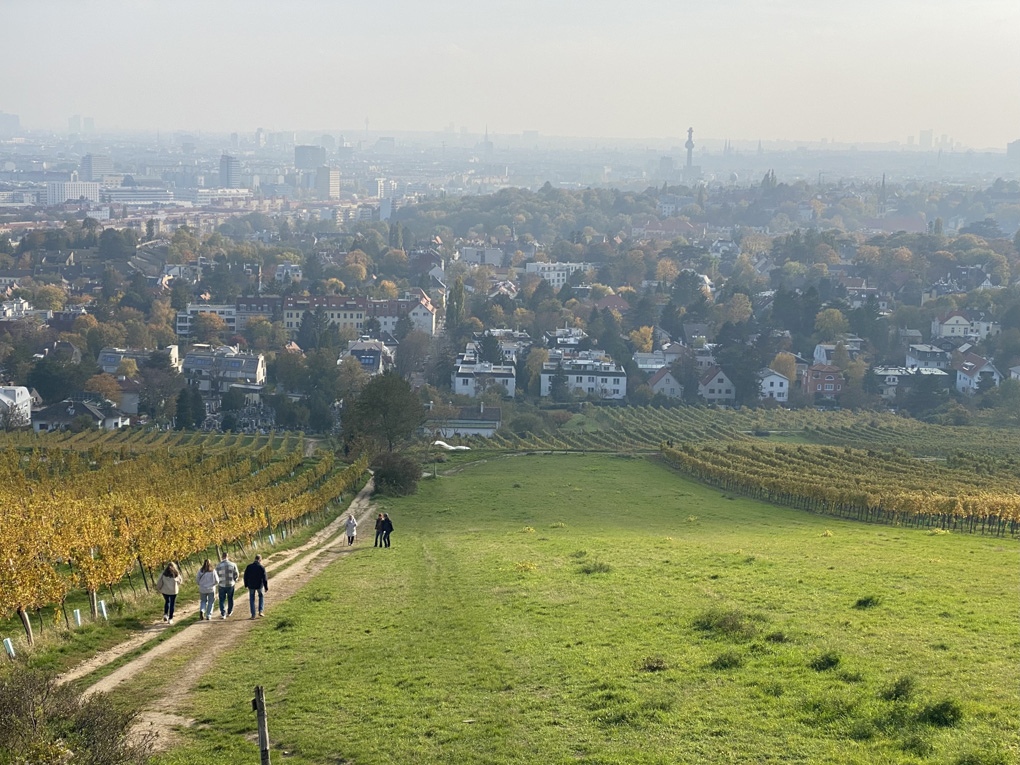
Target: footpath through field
(206,640)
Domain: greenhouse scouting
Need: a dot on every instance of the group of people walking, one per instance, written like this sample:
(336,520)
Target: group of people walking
(222,578)
(383,529)
(212,581)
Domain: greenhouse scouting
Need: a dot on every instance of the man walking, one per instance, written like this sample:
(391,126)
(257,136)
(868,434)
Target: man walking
(387,529)
(256,581)
(228,573)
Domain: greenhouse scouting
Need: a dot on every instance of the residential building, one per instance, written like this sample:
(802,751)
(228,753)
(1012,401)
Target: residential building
(415,305)
(58,192)
(15,407)
(103,414)
(557,274)
(186,318)
(373,355)
(478,420)
(268,307)
(715,387)
(110,358)
(215,370)
(589,374)
(230,172)
(95,166)
(773,385)
(565,337)
(650,362)
(663,383)
(822,380)
(927,356)
(327,182)
(481,256)
(1014,373)
(287,272)
(472,378)
(954,324)
(341,311)
(137,195)
(892,379)
(973,371)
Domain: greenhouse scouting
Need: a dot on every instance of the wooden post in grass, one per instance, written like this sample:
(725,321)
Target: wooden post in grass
(258,706)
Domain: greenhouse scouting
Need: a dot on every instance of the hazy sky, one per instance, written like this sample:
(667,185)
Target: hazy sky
(854,70)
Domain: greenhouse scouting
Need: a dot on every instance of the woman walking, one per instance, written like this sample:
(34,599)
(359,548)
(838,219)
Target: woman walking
(352,529)
(378,531)
(169,584)
(387,529)
(208,580)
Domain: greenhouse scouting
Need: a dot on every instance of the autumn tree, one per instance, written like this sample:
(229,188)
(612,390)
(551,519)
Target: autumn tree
(830,323)
(105,385)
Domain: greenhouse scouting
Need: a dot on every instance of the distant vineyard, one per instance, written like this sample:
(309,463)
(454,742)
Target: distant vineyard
(645,428)
(83,511)
(139,440)
(971,494)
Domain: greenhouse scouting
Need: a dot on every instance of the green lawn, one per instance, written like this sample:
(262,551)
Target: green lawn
(600,609)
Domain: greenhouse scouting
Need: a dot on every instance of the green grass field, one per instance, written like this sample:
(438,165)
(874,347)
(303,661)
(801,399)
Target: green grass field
(598,609)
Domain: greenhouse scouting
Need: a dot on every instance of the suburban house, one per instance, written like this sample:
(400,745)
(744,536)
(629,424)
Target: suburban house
(472,378)
(1014,373)
(186,318)
(468,421)
(959,325)
(650,362)
(663,382)
(892,379)
(216,370)
(15,406)
(925,356)
(822,380)
(374,357)
(715,387)
(594,376)
(971,370)
(110,358)
(104,415)
(773,385)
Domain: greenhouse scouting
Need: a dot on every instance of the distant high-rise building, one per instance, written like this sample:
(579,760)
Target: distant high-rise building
(260,138)
(309,157)
(327,142)
(690,148)
(235,140)
(925,139)
(88,125)
(327,182)
(74,124)
(230,172)
(58,192)
(95,166)
(10,124)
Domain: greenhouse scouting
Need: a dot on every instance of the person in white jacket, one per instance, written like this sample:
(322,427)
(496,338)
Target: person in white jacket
(352,529)
(207,579)
(168,585)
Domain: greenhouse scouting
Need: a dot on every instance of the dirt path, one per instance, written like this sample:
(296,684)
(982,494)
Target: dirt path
(160,716)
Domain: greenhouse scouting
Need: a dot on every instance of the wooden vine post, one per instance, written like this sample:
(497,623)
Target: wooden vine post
(258,706)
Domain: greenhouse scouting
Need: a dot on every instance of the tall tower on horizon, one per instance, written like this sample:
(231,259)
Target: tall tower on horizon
(690,148)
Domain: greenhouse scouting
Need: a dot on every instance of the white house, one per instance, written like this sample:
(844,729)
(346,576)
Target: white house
(15,406)
(927,357)
(103,415)
(715,387)
(971,370)
(891,379)
(1014,373)
(954,324)
(602,378)
(663,382)
(472,378)
(773,385)
(288,272)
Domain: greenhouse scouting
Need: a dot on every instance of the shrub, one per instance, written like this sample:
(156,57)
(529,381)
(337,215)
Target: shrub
(825,661)
(732,623)
(942,714)
(901,689)
(47,722)
(595,567)
(396,474)
(727,660)
(869,601)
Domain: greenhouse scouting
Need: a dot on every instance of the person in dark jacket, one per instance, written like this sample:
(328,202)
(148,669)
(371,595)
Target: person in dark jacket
(256,581)
(387,529)
(378,531)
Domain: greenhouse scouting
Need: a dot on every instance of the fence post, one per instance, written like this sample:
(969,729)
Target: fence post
(258,706)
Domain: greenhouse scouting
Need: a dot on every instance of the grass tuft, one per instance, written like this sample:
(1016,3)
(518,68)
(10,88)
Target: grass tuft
(901,689)
(825,661)
(942,714)
(558,525)
(286,623)
(523,566)
(778,637)
(595,567)
(868,601)
(727,660)
(826,533)
(728,623)
(578,553)
(653,664)
(528,530)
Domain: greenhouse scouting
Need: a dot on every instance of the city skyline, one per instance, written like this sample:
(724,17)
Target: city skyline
(871,73)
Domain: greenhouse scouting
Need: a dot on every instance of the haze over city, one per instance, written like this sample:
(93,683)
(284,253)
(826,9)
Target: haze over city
(868,71)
